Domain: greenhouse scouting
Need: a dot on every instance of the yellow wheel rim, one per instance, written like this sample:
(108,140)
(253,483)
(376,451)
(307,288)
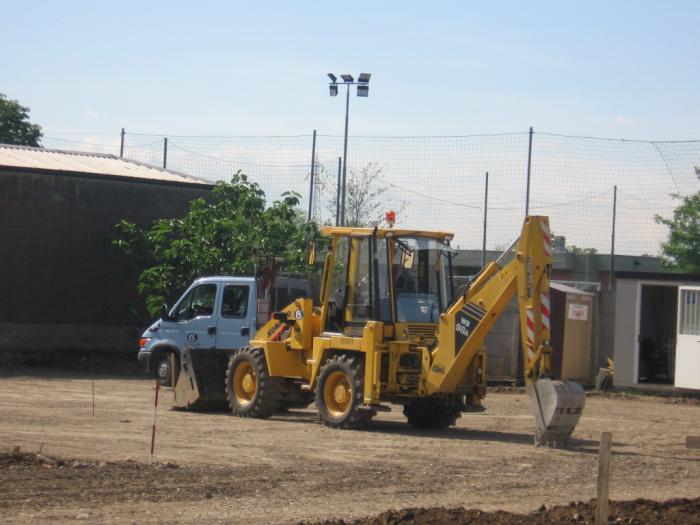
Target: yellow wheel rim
(337,393)
(244,383)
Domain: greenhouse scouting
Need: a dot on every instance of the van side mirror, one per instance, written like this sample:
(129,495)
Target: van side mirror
(164,313)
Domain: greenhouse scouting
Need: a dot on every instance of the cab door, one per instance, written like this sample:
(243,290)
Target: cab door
(688,338)
(193,317)
(235,316)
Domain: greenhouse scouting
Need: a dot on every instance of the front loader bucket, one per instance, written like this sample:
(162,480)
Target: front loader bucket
(557,406)
(201,380)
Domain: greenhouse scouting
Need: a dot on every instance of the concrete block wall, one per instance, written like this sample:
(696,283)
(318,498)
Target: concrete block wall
(57,265)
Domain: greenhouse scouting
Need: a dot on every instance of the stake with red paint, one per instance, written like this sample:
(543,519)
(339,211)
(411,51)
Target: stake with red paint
(153,432)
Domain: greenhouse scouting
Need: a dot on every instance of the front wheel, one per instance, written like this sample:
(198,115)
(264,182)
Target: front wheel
(163,369)
(340,392)
(250,390)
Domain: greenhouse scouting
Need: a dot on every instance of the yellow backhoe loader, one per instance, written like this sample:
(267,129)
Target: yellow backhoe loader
(390,328)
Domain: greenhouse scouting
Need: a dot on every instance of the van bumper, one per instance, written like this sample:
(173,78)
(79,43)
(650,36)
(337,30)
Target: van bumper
(145,360)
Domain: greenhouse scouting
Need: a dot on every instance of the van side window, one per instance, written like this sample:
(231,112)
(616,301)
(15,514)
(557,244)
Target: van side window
(235,301)
(198,302)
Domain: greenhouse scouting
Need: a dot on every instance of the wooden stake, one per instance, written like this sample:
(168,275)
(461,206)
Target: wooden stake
(601,510)
(153,431)
(92,366)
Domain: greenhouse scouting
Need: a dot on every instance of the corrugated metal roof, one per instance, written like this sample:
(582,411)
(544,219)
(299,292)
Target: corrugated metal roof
(28,158)
(567,289)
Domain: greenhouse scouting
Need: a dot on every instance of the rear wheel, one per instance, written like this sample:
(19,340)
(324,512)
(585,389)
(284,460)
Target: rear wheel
(250,390)
(429,413)
(340,391)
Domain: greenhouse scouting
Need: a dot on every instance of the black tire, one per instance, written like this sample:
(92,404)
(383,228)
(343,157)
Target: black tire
(250,390)
(163,369)
(426,413)
(340,393)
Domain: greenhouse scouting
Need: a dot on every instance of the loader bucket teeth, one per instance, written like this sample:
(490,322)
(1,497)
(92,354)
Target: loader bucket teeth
(557,406)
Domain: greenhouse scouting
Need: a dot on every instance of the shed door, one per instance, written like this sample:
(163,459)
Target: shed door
(688,342)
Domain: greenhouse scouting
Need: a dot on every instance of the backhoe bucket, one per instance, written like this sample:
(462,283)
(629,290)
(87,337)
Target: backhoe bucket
(557,406)
(201,380)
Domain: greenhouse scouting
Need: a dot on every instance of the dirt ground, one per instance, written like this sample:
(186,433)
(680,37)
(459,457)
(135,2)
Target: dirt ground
(290,468)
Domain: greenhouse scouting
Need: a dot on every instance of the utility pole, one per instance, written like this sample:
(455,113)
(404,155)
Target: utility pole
(612,242)
(529,165)
(486,207)
(311,178)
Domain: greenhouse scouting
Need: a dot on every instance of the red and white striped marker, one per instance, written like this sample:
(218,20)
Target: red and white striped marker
(547,240)
(153,432)
(544,310)
(530,335)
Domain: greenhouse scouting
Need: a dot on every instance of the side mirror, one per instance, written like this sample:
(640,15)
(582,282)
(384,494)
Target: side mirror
(164,312)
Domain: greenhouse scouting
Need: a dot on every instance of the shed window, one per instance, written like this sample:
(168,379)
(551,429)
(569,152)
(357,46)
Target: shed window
(690,312)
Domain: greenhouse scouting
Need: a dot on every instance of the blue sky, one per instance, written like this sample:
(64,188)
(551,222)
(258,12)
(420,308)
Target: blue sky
(616,69)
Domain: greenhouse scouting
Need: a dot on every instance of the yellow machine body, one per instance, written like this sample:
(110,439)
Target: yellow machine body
(390,323)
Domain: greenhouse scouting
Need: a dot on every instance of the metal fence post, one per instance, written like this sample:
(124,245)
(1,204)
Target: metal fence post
(486,205)
(337,198)
(612,241)
(121,144)
(165,152)
(311,178)
(529,165)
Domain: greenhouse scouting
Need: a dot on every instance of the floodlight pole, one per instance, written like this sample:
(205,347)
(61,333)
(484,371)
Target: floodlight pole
(362,91)
(345,154)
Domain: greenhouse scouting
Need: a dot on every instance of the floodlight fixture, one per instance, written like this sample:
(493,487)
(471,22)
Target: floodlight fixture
(332,77)
(347,78)
(362,90)
(334,89)
(364,78)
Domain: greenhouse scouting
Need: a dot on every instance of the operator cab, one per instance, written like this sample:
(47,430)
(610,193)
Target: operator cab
(385,274)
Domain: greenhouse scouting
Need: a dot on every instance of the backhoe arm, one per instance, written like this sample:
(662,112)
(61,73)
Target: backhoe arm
(466,323)
(464,326)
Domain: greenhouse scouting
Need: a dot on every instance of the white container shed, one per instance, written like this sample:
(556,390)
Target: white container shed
(657,329)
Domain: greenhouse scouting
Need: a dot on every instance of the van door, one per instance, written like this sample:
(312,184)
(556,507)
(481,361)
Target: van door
(194,317)
(234,327)
(688,338)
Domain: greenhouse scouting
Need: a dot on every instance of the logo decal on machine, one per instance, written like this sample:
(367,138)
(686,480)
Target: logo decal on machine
(467,319)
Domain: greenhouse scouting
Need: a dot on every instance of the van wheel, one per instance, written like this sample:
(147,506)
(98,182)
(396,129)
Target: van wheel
(340,392)
(250,390)
(163,369)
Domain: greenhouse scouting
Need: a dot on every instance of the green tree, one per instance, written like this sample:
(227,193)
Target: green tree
(15,127)
(681,252)
(220,237)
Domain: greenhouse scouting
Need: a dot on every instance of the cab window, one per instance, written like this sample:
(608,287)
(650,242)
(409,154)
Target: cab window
(198,302)
(235,301)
